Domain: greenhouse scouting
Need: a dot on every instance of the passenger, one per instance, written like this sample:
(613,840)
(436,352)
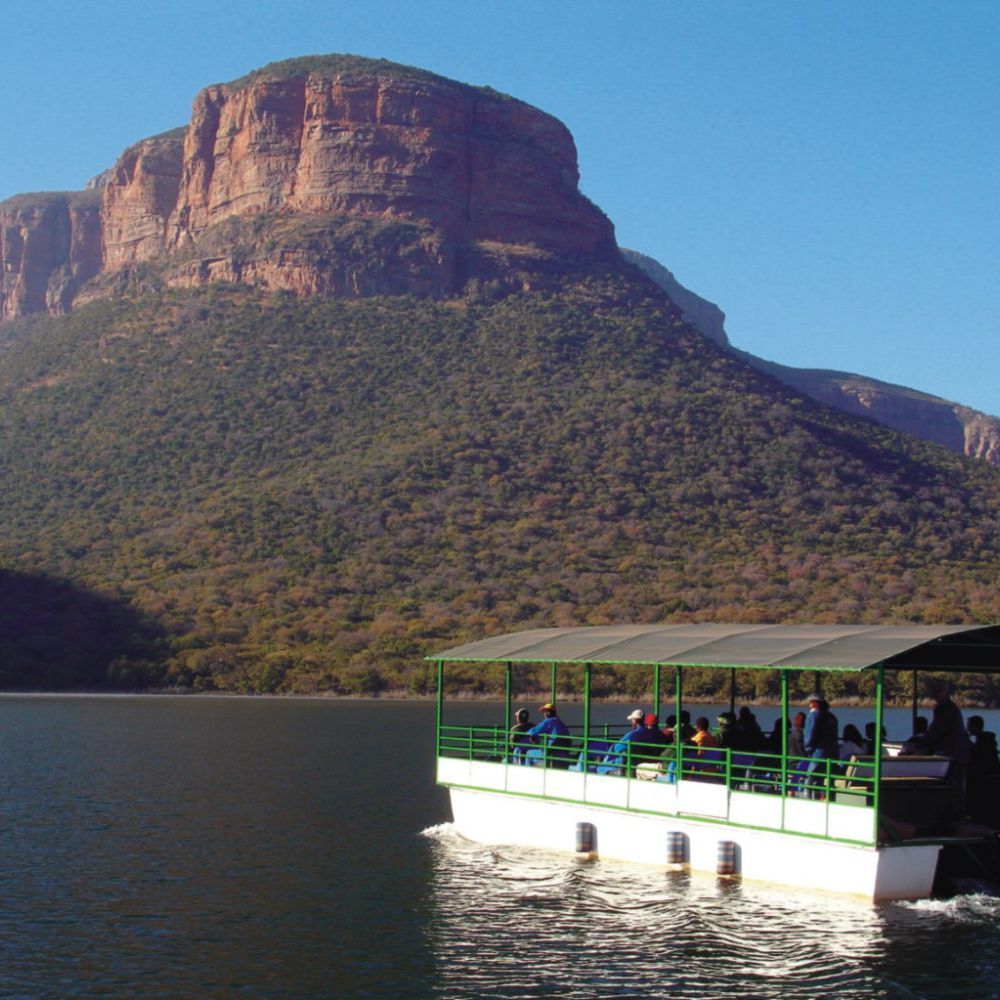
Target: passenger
(687,730)
(852,745)
(551,733)
(984,758)
(668,727)
(820,738)
(796,736)
(654,736)
(728,733)
(750,735)
(984,775)
(629,756)
(519,740)
(946,735)
(703,736)
(869,742)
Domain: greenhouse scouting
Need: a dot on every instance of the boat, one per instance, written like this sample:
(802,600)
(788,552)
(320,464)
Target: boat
(881,827)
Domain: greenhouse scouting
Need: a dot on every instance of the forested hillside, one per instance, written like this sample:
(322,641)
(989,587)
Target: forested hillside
(311,494)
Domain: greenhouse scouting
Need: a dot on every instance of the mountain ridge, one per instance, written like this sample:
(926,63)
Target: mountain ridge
(955,426)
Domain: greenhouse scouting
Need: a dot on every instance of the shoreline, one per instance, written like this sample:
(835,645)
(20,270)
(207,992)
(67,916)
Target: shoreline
(400,695)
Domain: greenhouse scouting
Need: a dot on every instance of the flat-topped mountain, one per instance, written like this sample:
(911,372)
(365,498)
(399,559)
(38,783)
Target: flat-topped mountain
(309,175)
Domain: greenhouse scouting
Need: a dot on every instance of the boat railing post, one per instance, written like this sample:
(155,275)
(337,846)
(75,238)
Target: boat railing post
(586,719)
(828,794)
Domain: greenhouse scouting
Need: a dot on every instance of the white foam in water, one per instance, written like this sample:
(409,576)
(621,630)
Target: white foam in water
(440,832)
(976,907)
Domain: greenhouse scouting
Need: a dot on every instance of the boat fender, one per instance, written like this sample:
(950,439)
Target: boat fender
(725,863)
(585,838)
(676,847)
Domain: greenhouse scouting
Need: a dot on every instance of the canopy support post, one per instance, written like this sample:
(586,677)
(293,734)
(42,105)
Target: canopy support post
(877,768)
(784,744)
(508,688)
(586,714)
(678,725)
(552,683)
(656,691)
(439,708)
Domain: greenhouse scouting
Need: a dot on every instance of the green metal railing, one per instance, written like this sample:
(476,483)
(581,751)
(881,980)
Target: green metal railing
(769,774)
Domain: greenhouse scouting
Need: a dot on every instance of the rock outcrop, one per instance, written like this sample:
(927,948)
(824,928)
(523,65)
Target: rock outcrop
(50,245)
(140,194)
(924,416)
(281,172)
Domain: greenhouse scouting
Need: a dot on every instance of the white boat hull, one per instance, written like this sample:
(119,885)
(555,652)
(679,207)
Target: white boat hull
(636,828)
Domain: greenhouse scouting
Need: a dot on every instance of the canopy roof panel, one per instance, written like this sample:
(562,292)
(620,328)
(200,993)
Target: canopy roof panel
(795,647)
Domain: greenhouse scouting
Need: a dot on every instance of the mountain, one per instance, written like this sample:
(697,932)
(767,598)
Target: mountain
(957,427)
(323,175)
(278,490)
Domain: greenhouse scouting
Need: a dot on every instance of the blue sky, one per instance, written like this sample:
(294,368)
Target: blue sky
(827,172)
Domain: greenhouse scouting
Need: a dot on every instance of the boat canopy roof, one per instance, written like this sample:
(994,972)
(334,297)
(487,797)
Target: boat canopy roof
(786,647)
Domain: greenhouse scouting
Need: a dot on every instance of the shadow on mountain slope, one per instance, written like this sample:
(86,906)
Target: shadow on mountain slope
(56,636)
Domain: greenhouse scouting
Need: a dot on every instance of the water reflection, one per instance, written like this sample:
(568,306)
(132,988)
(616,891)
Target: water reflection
(512,922)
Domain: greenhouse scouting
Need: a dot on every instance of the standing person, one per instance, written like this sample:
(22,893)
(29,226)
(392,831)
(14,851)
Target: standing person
(553,736)
(983,782)
(946,735)
(519,740)
(820,739)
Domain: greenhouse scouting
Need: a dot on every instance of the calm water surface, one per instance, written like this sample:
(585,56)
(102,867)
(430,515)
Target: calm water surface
(183,847)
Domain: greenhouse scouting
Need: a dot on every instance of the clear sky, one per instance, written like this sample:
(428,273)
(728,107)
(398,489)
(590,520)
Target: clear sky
(826,171)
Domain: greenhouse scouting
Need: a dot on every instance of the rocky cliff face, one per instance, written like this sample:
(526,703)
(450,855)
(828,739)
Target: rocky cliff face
(339,141)
(140,194)
(50,245)
(956,427)
(472,164)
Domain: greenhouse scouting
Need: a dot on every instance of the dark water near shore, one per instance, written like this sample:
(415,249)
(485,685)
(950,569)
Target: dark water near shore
(182,847)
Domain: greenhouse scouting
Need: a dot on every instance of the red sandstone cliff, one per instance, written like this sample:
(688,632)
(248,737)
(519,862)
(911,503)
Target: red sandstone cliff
(329,175)
(50,244)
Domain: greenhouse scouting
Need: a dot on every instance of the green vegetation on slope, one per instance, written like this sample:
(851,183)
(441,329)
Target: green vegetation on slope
(334,64)
(312,494)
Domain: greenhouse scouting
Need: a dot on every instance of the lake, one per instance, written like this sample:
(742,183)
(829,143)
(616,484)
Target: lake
(216,847)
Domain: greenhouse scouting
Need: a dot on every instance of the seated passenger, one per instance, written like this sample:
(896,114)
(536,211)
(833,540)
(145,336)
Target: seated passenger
(869,742)
(627,755)
(553,736)
(652,737)
(984,758)
(796,736)
(982,800)
(703,736)
(519,741)
(750,735)
(852,745)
